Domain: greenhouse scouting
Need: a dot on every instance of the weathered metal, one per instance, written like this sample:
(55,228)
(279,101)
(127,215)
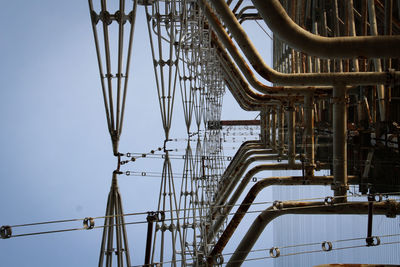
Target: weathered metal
(298,79)
(388,208)
(250,197)
(338,47)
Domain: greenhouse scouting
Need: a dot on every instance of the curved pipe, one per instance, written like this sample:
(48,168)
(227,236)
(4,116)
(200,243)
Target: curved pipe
(288,31)
(238,168)
(242,99)
(221,215)
(251,196)
(233,73)
(305,79)
(389,208)
(243,149)
(246,98)
(227,186)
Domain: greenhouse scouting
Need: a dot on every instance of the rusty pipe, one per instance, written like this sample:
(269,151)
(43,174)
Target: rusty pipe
(340,141)
(309,133)
(268,127)
(307,79)
(291,134)
(233,77)
(389,208)
(243,152)
(377,62)
(251,196)
(230,181)
(222,213)
(287,30)
(273,128)
(281,132)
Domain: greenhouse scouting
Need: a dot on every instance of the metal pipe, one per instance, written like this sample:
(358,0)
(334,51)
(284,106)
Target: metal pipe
(389,208)
(268,126)
(223,212)
(233,74)
(340,141)
(377,62)
(291,134)
(309,133)
(273,128)
(352,25)
(229,182)
(338,47)
(281,132)
(247,149)
(263,127)
(308,79)
(251,196)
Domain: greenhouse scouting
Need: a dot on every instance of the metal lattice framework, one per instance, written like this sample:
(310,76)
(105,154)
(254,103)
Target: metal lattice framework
(333,105)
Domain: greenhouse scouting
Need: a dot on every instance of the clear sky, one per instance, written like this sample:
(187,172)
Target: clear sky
(56,158)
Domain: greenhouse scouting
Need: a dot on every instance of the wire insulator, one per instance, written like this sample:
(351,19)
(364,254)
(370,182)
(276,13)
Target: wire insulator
(274,252)
(5,232)
(326,246)
(88,223)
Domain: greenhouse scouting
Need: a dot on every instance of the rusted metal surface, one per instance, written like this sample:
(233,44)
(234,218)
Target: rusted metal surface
(259,224)
(338,47)
(250,197)
(298,79)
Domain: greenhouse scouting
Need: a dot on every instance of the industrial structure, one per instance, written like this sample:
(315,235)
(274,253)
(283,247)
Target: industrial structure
(330,102)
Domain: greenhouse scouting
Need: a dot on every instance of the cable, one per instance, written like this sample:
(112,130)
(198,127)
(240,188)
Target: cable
(189,209)
(312,251)
(167,219)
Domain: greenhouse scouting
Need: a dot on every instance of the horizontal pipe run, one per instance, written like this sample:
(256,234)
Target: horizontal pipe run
(298,79)
(389,208)
(251,196)
(288,31)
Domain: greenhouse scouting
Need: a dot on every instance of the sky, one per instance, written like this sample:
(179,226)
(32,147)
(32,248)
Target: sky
(56,157)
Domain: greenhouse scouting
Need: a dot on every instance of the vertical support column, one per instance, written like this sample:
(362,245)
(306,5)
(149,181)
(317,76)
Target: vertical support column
(309,133)
(281,132)
(377,62)
(273,130)
(291,135)
(352,26)
(268,127)
(340,142)
(263,127)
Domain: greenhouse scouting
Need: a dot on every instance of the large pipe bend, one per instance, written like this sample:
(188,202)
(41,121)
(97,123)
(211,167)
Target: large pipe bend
(222,214)
(298,79)
(251,196)
(288,31)
(227,187)
(387,208)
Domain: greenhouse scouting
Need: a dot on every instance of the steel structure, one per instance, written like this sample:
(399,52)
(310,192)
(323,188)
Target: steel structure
(333,105)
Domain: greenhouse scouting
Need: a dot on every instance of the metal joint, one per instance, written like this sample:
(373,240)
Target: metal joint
(277,205)
(329,201)
(274,252)
(219,259)
(5,231)
(373,241)
(88,223)
(326,246)
(391,77)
